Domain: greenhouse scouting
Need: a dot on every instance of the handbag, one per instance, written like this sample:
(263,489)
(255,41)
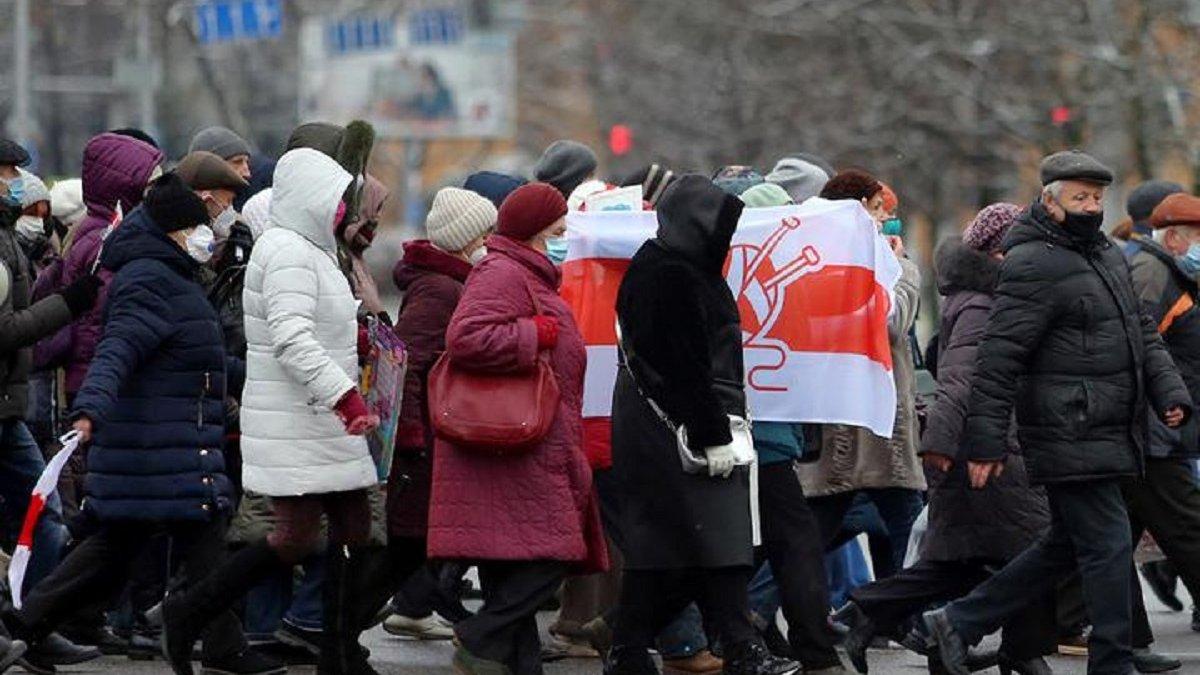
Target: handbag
(493,413)
(693,463)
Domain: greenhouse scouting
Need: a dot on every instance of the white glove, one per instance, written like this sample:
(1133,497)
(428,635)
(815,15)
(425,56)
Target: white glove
(721,460)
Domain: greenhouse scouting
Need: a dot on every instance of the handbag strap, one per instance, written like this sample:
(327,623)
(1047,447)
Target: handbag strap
(537,306)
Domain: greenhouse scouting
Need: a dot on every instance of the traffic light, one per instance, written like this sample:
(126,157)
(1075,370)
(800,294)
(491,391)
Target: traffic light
(620,139)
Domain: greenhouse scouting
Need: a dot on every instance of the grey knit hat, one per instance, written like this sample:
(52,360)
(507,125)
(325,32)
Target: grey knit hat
(220,141)
(457,218)
(801,179)
(565,164)
(1145,197)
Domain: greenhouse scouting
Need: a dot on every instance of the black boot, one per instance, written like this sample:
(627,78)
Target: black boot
(752,658)
(345,614)
(858,640)
(629,661)
(950,646)
(186,614)
(1034,666)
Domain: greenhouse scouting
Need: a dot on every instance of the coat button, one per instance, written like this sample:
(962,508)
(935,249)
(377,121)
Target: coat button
(204,453)
(207,480)
(206,507)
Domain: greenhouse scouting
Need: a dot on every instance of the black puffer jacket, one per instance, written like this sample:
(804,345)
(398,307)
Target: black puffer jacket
(1004,518)
(1068,345)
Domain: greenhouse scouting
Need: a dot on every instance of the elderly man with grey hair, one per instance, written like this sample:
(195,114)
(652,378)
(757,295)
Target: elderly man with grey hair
(1068,349)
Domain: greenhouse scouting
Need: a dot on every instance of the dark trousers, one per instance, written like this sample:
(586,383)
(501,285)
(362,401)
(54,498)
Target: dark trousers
(1089,530)
(96,571)
(297,532)
(1167,503)
(505,629)
(650,599)
(792,543)
(1027,634)
(899,508)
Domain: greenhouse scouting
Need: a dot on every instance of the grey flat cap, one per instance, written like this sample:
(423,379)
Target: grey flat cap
(1075,165)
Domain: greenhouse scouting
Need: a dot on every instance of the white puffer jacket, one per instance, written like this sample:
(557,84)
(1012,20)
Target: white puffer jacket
(302,338)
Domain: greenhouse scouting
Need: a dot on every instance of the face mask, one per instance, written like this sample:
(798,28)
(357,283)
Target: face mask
(200,244)
(892,227)
(556,250)
(31,226)
(224,222)
(477,255)
(1082,225)
(1190,261)
(16,188)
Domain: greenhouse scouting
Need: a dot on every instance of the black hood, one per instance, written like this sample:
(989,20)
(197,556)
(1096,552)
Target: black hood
(697,219)
(1035,224)
(961,268)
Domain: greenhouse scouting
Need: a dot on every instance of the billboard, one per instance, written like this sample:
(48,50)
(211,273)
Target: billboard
(413,73)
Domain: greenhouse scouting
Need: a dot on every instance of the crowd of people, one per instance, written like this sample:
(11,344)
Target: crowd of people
(200,324)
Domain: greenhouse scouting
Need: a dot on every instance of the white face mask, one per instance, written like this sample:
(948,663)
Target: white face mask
(477,255)
(224,221)
(31,226)
(200,244)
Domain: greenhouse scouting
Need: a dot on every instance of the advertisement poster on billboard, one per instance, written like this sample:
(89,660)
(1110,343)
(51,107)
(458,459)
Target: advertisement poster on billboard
(414,73)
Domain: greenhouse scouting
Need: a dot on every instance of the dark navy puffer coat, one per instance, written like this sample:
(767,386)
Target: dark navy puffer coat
(155,391)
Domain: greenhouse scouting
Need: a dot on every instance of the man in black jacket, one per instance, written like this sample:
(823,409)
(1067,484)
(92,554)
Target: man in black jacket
(1167,500)
(1068,347)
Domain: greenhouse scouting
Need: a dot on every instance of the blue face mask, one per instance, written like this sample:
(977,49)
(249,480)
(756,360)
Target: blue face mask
(892,227)
(1190,261)
(16,189)
(556,250)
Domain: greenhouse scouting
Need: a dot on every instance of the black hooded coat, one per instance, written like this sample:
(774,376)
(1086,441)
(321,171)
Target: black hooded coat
(681,330)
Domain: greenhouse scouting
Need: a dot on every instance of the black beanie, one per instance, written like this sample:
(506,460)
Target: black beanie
(173,206)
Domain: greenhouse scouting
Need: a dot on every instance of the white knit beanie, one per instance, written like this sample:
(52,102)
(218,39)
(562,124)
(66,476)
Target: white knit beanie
(66,201)
(457,218)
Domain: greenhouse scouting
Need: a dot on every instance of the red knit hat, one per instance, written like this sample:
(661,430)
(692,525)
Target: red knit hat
(530,209)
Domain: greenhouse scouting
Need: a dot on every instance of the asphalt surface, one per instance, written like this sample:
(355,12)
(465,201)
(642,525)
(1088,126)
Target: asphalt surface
(393,656)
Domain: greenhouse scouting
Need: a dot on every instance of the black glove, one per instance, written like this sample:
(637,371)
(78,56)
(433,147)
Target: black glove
(81,295)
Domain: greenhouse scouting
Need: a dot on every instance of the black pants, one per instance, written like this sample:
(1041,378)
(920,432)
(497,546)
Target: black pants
(650,599)
(792,544)
(1029,633)
(1089,529)
(899,508)
(505,629)
(96,572)
(1167,503)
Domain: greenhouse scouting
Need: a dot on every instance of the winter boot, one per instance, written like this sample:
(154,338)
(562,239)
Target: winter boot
(752,658)
(187,614)
(629,661)
(345,613)
(466,663)
(858,640)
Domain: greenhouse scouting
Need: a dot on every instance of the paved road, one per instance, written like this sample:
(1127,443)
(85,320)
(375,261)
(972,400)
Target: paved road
(399,657)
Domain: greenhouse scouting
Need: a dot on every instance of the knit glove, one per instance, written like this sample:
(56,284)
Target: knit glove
(353,411)
(547,331)
(81,295)
(721,460)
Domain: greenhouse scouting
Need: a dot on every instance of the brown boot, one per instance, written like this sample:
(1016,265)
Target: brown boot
(701,663)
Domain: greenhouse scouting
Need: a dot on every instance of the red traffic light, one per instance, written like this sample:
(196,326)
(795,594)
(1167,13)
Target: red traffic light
(620,139)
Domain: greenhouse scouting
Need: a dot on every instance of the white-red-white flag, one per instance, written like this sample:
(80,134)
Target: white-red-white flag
(814,285)
(47,483)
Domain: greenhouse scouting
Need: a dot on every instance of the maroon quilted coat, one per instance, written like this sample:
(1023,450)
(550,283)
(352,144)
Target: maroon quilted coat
(539,505)
(116,169)
(432,282)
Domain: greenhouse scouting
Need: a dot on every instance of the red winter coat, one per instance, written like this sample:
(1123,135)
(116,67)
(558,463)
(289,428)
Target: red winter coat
(432,282)
(539,505)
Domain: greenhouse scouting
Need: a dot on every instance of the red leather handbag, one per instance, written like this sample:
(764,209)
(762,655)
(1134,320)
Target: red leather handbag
(493,413)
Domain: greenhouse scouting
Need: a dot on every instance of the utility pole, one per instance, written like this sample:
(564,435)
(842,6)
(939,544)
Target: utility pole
(147,91)
(20,121)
